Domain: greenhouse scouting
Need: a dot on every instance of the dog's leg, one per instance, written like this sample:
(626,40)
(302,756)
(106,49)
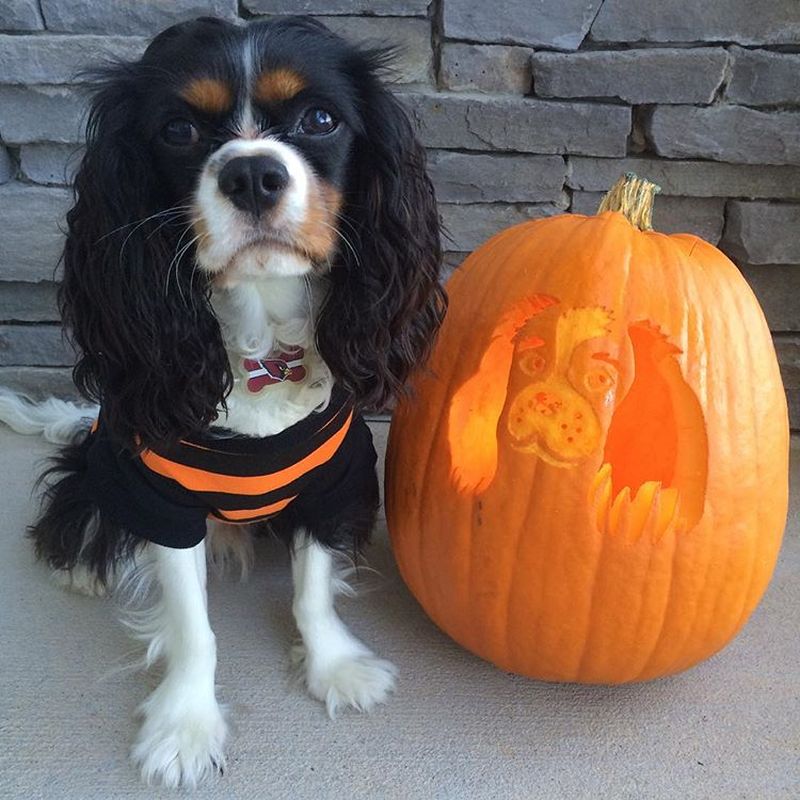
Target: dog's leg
(339,669)
(183,733)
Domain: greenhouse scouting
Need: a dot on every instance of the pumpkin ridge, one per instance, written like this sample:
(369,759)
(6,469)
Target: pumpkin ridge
(593,607)
(665,607)
(517,547)
(584,229)
(496,245)
(520,538)
(683,269)
(605,238)
(671,536)
(726,289)
(540,305)
(703,628)
(470,555)
(746,599)
(425,487)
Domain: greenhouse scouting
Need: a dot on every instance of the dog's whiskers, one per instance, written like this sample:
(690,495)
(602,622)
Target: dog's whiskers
(176,259)
(173,210)
(344,239)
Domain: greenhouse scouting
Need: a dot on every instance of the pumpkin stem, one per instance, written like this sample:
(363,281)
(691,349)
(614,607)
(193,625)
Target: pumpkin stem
(632,196)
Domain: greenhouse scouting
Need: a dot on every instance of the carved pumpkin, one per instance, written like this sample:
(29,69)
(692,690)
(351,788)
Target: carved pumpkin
(590,482)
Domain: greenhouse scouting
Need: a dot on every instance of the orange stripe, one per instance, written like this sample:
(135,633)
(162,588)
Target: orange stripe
(246,514)
(95,424)
(200,480)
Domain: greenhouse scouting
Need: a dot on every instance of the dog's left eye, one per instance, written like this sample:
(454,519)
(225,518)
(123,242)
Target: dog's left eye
(180,133)
(318,121)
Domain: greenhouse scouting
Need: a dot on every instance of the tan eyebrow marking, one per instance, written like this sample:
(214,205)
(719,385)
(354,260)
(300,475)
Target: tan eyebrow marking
(208,94)
(278,84)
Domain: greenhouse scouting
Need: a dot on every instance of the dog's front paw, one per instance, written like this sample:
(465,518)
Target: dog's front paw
(181,742)
(358,679)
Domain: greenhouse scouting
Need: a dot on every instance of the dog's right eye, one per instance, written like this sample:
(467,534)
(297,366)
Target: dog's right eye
(180,133)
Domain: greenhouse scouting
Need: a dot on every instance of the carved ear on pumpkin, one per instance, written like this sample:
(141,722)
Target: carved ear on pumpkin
(478,403)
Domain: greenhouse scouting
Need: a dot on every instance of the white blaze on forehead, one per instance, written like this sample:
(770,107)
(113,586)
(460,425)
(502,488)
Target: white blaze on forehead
(246,124)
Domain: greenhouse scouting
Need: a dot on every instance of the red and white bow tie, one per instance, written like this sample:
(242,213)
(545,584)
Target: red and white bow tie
(276,367)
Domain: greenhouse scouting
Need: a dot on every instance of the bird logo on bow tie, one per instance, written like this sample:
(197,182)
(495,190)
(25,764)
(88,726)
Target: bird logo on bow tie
(276,367)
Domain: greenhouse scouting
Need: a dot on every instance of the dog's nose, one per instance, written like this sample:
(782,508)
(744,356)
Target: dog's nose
(253,183)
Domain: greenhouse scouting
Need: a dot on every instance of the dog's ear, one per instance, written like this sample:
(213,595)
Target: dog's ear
(150,348)
(385,302)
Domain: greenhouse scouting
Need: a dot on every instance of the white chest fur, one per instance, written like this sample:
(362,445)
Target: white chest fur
(258,318)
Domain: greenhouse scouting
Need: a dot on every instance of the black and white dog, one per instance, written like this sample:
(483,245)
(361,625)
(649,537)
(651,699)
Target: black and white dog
(252,258)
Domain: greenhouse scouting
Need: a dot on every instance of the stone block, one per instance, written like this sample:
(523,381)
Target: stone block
(28,302)
(31,240)
(764,78)
(20,15)
(702,216)
(473,178)
(788,349)
(777,287)
(129,17)
(7,166)
(34,346)
(59,59)
(485,68)
(768,22)
(558,24)
(669,75)
(40,383)
(479,122)
(50,163)
(763,233)
(414,60)
(469,226)
(689,178)
(726,133)
(42,113)
(384,8)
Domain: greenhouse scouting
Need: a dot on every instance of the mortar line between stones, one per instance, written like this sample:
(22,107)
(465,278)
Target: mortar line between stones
(436,16)
(591,25)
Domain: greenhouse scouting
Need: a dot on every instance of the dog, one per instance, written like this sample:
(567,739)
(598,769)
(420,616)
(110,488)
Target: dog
(252,259)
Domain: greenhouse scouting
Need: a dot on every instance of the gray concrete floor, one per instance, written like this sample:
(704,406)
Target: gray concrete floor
(457,727)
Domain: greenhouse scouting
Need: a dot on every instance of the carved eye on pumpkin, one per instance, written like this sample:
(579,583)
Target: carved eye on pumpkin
(599,380)
(532,363)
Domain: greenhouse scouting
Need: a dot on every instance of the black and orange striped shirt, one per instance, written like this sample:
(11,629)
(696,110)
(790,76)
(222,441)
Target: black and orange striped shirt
(166,494)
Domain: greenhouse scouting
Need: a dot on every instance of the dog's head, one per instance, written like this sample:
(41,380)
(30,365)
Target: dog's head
(230,154)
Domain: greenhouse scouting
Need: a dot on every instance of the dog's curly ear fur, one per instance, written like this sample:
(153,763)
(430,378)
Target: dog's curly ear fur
(150,348)
(385,302)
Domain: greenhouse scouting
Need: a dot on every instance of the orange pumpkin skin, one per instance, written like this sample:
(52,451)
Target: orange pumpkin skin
(580,356)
